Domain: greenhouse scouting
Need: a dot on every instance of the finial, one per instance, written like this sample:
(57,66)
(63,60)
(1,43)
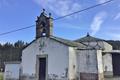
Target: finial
(43,13)
(43,10)
(49,14)
(88,34)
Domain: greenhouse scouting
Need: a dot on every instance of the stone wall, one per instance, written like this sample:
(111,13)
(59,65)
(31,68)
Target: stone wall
(112,78)
(26,77)
(88,76)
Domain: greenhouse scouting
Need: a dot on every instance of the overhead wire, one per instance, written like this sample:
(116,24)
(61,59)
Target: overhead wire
(84,9)
(16,30)
(88,8)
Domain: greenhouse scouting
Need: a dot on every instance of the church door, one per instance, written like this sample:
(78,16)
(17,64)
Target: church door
(42,68)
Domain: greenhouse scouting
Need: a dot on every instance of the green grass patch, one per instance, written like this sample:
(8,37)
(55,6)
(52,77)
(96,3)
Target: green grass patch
(1,76)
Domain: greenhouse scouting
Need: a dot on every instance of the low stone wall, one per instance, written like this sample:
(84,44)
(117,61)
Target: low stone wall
(27,78)
(33,78)
(88,76)
(112,78)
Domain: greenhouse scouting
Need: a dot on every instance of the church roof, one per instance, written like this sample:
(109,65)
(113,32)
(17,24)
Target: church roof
(88,38)
(79,45)
(64,41)
(67,42)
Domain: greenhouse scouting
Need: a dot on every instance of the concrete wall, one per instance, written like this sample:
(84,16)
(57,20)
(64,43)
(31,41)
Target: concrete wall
(57,57)
(100,64)
(12,71)
(87,64)
(107,46)
(100,45)
(90,64)
(107,62)
(87,61)
(72,64)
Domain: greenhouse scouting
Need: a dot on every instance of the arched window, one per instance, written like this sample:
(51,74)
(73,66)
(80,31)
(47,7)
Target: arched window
(43,24)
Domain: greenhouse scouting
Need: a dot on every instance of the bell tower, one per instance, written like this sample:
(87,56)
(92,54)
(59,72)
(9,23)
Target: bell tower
(44,25)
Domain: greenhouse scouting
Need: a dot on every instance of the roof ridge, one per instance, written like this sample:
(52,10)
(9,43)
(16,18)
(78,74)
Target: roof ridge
(88,39)
(71,43)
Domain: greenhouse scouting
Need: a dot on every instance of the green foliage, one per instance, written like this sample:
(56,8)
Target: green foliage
(11,52)
(115,44)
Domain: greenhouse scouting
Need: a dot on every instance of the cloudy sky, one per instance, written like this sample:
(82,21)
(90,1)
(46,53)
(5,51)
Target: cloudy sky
(102,22)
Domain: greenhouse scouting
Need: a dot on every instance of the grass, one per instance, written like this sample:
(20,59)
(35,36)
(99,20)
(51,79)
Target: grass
(1,76)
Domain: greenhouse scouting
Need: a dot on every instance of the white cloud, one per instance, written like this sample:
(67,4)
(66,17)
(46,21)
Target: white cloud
(97,22)
(117,16)
(70,26)
(102,1)
(59,7)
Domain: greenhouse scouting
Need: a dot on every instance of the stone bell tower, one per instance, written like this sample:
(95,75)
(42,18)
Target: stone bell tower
(44,25)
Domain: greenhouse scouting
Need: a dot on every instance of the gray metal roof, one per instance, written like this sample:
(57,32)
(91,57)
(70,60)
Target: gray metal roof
(63,41)
(66,42)
(89,38)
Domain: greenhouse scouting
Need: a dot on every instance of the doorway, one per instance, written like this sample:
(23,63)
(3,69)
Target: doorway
(116,64)
(42,68)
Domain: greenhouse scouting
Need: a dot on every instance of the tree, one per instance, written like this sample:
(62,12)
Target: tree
(11,52)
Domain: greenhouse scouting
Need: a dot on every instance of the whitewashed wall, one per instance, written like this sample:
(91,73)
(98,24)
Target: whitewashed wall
(12,71)
(107,46)
(87,61)
(90,64)
(102,44)
(100,65)
(99,61)
(108,67)
(57,56)
(72,64)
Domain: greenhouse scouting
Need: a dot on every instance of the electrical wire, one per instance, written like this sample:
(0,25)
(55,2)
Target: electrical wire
(59,17)
(84,9)
(16,30)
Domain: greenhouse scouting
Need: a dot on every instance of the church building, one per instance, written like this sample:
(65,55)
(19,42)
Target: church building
(49,57)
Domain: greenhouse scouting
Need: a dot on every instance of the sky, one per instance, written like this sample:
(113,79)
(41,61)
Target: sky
(101,22)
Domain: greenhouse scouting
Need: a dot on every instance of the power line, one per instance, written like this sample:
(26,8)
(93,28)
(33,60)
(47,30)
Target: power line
(59,17)
(84,9)
(16,30)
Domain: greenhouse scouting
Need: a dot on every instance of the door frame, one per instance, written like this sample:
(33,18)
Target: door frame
(37,65)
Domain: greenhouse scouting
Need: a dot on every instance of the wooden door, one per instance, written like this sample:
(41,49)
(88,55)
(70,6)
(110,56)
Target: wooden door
(42,68)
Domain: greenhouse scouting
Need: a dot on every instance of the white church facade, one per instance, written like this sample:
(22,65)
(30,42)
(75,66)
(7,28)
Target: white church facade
(53,58)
